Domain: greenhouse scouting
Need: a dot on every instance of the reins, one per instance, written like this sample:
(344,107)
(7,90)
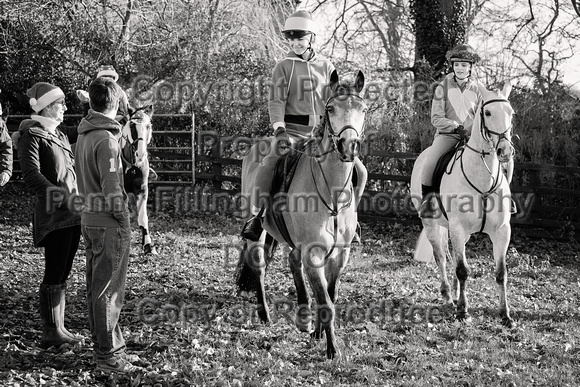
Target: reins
(485,131)
(333,204)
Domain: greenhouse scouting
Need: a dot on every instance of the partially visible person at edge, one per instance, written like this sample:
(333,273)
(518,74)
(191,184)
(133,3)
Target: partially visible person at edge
(48,168)
(296,107)
(109,71)
(5,152)
(452,114)
(104,223)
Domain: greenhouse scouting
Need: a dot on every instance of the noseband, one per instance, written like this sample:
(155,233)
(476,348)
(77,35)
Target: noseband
(334,136)
(486,132)
(132,140)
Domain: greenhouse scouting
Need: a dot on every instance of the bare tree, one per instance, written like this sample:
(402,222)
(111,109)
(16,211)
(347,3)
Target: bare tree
(526,40)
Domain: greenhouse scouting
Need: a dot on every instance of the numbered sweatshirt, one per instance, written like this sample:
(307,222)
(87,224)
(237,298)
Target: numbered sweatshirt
(100,171)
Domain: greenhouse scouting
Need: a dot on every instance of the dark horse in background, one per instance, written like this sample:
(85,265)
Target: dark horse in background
(318,218)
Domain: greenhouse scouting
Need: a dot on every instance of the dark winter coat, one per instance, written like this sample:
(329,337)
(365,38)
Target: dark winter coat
(47,164)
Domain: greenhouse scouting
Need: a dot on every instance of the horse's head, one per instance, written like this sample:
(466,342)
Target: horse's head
(495,126)
(345,116)
(137,132)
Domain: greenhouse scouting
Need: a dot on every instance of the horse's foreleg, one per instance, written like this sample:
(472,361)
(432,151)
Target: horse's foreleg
(142,216)
(458,240)
(255,262)
(325,307)
(333,271)
(143,222)
(500,242)
(438,237)
(303,313)
(362,176)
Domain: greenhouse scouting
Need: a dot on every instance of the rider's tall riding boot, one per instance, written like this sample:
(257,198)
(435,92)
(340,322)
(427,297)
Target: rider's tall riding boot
(252,230)
(427,208)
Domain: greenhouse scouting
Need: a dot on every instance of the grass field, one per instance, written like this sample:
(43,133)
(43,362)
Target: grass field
(183,315)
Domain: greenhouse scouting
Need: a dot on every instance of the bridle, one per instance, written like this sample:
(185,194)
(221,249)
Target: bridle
(486,133)
(337,144)
(132,139)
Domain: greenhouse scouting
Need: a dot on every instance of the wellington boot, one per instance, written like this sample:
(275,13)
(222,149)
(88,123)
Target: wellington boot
(62,306)
(53,332)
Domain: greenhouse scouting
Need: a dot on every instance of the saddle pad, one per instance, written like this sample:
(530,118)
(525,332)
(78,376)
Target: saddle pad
(441,168)
(283,175)
(134,180)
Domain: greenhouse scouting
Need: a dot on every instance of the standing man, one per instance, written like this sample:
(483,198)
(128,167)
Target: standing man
(104,223)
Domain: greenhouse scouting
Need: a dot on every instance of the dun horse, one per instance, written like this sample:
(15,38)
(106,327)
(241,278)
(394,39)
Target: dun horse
(316,216)
(135,137)
(474,197)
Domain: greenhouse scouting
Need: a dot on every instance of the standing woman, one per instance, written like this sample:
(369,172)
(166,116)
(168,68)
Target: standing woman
(47,164)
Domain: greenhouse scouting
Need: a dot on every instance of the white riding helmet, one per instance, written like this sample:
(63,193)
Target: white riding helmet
(299,24)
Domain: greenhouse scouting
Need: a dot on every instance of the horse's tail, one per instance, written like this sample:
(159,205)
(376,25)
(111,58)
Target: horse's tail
(423,248)
(247,275)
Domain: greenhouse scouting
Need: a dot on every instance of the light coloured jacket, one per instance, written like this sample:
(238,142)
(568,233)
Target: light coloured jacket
(453,106)
(5,149)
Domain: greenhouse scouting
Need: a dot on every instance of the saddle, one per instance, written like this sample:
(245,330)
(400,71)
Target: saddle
(444,165)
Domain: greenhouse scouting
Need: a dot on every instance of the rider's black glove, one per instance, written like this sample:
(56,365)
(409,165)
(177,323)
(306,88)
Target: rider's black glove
(464,133)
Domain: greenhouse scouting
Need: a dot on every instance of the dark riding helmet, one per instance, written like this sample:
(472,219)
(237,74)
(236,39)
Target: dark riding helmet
(299,24)
(462,53)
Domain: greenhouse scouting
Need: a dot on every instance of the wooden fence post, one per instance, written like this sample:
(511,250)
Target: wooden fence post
(216,165)
(193,149)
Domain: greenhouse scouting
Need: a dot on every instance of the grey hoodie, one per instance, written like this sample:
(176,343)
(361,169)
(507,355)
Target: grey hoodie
(100,172)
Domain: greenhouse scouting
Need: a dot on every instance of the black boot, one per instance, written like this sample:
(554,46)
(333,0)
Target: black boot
(52,317)
(513,207)
(356,238)
(252,230)
(426,209)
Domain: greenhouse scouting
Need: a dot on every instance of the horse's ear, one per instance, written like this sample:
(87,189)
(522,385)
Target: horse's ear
(482,89)
(506,90)
(148,110)
(359,82)
(334,80)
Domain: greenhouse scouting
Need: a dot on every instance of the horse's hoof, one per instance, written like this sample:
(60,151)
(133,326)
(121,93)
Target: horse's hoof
(149,249)
(304,327)
(507,322)
(331,354)
(463,317)
(448,310)
(317,335)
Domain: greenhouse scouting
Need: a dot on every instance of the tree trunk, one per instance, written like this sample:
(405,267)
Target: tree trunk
(439,26)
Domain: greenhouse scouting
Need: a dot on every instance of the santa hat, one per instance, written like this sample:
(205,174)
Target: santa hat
(43,94)
(108,71)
